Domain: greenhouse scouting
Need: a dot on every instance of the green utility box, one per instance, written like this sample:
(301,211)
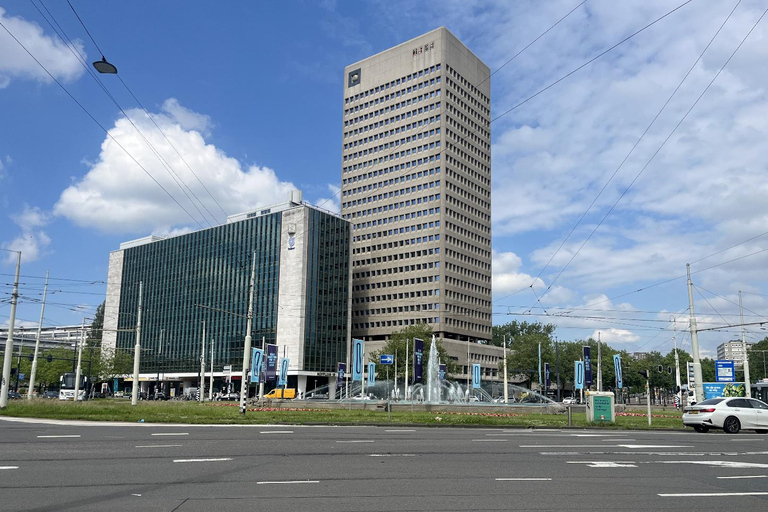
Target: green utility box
(600,407)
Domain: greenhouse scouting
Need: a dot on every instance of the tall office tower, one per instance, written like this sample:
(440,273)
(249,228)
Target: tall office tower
(416,186)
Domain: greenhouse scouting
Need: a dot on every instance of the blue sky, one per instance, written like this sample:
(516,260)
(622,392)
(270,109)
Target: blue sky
(250,93)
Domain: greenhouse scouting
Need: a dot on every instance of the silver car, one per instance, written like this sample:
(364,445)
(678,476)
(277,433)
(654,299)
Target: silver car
(729,414)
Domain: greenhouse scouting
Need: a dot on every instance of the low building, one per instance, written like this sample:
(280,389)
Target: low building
(194,296)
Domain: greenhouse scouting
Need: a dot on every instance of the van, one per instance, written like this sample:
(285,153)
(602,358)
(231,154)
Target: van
(290,393)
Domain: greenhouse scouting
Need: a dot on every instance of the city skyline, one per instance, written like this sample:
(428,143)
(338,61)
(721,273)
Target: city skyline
(234,94)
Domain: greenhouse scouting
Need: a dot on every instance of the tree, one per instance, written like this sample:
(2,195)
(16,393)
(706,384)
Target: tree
(515,331)
(397,345)
(97,326)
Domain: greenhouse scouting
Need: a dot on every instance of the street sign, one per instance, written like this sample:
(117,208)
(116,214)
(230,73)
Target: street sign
(725,370)
(386,359)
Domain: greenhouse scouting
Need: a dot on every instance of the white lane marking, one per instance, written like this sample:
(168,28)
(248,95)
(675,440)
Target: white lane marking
(139,495)
(714,463)
(170,434)
(490,440)
(48,437)
(712,494)
(290,482)
(9,467)
(739,477)
(563,446)
(605,464)
(594,435)
(745,439)
(401,430)
(392,455)
(202,460)
(614,440)
(276,432)
(652,446)
(522,479)
(357,441)
(158,445)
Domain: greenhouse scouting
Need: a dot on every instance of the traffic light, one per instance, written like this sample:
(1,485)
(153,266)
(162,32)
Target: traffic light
(669,370)
(644,373)
(661,368)
(50,358)
(31,358)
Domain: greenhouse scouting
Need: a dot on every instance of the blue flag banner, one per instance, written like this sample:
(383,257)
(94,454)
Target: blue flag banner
(340,374)
(617,368)
(283,381)
(546,373)
(271,358)
(587,366)
(475,376)
(358,355)
(418,361)
(578,374)
(371,374)
(441,371)
(257,356)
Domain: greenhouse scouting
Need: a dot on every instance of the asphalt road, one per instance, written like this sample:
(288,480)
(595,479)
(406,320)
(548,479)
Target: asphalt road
(86,466)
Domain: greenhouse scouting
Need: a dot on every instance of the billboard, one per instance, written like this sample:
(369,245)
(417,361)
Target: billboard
(271,363)
(725,370)
(723,390)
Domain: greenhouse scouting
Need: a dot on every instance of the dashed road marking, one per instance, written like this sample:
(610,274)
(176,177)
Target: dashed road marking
(289,482)
(203,460)
(357,441)
(158,445)
(523,479)
(276,432)
(9,467)
(51,437)
(605,464)
(170,434)
(740,477)
(712,494)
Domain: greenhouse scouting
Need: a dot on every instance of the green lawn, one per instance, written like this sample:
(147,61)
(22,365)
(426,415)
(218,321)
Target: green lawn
(303,413)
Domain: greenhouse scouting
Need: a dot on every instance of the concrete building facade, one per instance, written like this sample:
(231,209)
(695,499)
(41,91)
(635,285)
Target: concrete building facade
(733,350)
(416,187)
(195,291)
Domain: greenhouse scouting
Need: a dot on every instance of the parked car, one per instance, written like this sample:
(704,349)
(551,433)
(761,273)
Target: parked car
(569,400)
(52,395)
(729,414)
(14,395)
(317,396)
(229,397)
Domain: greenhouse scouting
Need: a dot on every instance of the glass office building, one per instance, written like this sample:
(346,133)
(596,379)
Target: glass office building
(194,294)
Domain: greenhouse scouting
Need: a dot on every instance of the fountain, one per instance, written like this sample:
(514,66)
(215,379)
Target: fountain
(433,375)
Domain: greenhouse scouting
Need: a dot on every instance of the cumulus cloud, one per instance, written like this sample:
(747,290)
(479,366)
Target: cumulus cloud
(33,240)
(507,278)
(332,203)
(613,335)
(117,196)
(56,56)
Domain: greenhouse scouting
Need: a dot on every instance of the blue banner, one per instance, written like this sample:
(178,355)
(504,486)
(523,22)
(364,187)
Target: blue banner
(546,373)
(341,372)
(578,375)
(271,358)
(358,356)
(257,357)
(371,374)
(587,366)
(617,369)
(283,381)
(725,370)
(475,376)
(441,372)
(418,363)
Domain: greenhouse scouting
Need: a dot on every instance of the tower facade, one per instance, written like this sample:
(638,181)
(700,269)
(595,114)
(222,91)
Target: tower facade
(416,188)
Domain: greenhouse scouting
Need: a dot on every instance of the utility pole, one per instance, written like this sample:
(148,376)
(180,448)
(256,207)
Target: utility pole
(210,385)
(599,363)
(33,372)
(697,378)
(540,381)
(407,348)
(247,346)
(137,353)
(263,362)
(747,383)
(678,393)
(7,360)
(201,390)
(81,342)
(557,364)
(506,391)
(159,359)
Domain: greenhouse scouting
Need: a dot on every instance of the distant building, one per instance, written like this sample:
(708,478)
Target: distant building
(198,283)
(733,350)
(61,336)
(640,356)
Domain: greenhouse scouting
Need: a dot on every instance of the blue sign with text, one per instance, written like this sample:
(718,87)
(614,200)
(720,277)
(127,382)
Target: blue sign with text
(386,359)
(725,370)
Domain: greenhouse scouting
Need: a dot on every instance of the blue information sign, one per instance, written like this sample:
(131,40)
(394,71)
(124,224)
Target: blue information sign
(725,370)
(386,359)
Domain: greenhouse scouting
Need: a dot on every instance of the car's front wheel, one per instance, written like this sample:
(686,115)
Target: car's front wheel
(731,425)
(701,428)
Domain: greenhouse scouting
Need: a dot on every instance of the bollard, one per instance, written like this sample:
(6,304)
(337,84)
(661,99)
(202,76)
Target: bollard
(570,416)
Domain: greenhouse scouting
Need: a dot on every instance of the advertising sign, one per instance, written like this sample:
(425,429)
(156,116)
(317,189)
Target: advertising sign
(441,372)
(257,356)
(271,358)
(578,372)
(475,376)
(371,374)
(418,356)
(723,390)
(357,360)
(283,381)
(546,374)
(725,370)
(587,366)
(340,374)
(617,368)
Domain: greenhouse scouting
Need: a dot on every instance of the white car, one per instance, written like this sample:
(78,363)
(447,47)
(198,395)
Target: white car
(569,400)
(729,414)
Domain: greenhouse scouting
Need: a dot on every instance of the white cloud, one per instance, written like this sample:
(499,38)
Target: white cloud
(507,279)
(33,241)
(117,196)
(50,51)
(332,204)
(612,336)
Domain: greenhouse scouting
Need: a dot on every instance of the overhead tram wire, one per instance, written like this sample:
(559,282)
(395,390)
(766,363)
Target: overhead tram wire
(99,124)
(148,115)
(168,168)
(731,302)
(710,305)
(656,152)
(637,143)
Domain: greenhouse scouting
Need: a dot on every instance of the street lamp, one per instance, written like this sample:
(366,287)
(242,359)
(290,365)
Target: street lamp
(104,67)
